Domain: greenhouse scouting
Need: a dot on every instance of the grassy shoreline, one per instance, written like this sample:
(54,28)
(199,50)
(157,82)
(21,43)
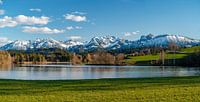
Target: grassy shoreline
(102,90)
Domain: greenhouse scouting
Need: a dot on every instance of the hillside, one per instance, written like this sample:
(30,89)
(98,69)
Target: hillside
(191,49)
(180,57)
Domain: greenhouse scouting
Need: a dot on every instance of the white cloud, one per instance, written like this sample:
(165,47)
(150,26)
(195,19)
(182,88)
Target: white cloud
(79,13)
(4,40)
(7,22)
(72,28)
(1,2)
(76,18)
(26,20)
(78,27)
(35,10)
(75,37)
(131,33)
(23,20)
(41,30)
(69,28)
(2,12)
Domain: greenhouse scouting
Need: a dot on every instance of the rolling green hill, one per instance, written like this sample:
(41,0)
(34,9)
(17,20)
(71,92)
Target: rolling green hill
(191,49)
(184,52)
(154,57)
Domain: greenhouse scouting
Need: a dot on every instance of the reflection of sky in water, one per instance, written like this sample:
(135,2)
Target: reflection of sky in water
(55,72)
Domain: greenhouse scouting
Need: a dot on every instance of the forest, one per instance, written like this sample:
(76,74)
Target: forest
(173,55)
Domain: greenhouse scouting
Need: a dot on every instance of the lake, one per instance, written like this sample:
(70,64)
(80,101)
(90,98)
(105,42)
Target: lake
(71,72)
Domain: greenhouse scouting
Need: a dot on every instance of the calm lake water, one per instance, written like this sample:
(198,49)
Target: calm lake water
(61,72)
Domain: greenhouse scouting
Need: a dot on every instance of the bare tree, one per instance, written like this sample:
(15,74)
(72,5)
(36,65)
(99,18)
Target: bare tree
(162,57)
(102,58)
(76,59)
(88,58)
(5,57)
(119,59)
(173,47)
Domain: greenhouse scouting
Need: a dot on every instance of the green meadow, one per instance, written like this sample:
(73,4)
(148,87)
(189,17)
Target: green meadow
(153,57)
(184,52)
(183,89)
(191,49)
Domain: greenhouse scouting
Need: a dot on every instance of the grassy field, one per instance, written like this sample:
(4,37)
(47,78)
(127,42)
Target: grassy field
(153,57)
(184,89)
(191,50)
(185,52)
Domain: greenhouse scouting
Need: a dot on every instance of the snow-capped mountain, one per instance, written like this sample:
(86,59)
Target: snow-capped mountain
(17,45)
(164,40)
(105,42)
(71,43)
(48,43)
(36,44)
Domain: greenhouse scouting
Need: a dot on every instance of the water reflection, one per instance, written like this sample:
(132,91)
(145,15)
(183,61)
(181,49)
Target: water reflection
(5,67)
(59,72)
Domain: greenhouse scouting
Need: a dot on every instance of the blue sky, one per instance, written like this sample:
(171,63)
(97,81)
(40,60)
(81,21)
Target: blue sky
(129,19)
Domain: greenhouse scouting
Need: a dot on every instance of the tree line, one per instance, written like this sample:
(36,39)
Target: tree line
(99,58)
(40,56)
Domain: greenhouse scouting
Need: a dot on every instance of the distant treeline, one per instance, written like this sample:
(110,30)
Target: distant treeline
(99,57)
(192,59)
(40,56)
(58,55)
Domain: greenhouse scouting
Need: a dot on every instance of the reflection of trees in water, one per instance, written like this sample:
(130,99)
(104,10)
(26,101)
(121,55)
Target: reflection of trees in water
(42,69)
(102,69)
(5,67)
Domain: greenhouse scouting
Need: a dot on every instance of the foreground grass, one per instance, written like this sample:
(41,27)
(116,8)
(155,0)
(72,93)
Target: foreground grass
(185,89)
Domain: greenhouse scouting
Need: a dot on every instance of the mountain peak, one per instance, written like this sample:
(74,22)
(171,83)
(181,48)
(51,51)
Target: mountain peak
(104,42)
(146,37)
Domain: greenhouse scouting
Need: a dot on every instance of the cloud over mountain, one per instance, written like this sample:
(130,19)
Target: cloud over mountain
(31,20)
(7,22)
(73,27)
(76,18)
(41,30)
(35,10)
(4,40)
(23,20)
(75,37)
(127,34)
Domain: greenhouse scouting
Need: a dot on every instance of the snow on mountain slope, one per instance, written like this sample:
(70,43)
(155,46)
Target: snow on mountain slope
(164,40)
(105,42)
(36,44)
(48,43)
(17,45)
(71,43)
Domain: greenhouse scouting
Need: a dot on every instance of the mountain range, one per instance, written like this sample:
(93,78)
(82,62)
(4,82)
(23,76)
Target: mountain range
(105,42)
